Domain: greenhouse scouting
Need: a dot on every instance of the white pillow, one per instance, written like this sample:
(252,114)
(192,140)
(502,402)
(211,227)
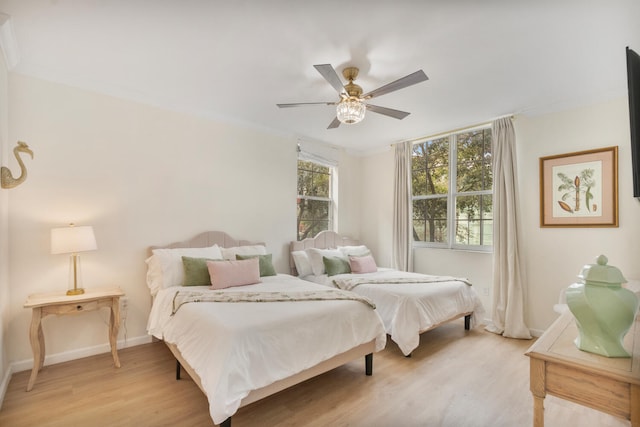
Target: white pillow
(165,267)
(302,262)
(315,256)
(360,250)
(230,253)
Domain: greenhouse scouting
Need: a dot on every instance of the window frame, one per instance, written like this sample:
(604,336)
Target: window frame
(452,195)
(332,208)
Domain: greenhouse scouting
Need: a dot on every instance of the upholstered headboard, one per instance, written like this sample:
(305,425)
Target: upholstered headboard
(323,240)
(208,238)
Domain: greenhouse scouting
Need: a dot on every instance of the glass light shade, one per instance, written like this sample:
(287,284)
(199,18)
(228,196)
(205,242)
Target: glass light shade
(350,110)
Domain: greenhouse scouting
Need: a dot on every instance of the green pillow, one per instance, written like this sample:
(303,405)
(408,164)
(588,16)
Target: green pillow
(196,272)
(266,266)
(335,265)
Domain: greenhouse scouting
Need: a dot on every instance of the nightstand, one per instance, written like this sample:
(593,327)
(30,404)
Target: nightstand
(559,368)
(60,303)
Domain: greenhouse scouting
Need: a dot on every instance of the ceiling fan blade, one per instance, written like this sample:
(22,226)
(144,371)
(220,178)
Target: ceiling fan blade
(330,75)
(396,114)
(334,124)
(299,104)
(411,79)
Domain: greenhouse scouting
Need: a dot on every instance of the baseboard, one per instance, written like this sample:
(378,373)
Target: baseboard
(24,365)
(5,384)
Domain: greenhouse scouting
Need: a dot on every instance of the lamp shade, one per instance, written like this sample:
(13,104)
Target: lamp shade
(350,110)
(72,239)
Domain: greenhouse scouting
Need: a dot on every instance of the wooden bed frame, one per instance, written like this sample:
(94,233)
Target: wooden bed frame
(209,238)
(331,240)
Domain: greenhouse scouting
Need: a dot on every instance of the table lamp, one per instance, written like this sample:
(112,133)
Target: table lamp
(71,240)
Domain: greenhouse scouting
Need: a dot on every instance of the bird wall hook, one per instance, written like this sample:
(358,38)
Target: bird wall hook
(6,178)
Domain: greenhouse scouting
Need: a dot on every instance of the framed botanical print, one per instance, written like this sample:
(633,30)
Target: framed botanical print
(579,189)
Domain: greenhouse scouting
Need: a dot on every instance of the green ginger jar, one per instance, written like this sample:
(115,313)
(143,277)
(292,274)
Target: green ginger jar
(603,309)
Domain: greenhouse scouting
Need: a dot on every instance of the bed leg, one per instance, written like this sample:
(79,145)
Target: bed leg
(467,322)
(368,364)
(226,423)
(177,369)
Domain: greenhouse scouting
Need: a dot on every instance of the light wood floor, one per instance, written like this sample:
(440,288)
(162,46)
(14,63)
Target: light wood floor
(455,378)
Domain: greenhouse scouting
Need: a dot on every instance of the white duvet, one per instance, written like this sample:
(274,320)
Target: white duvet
(239,347)
(407,309)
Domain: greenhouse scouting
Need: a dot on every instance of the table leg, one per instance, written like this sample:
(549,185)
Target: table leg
(635,407)
(37,345)
(537,384)
(41,341)
(114,327)
(538,411)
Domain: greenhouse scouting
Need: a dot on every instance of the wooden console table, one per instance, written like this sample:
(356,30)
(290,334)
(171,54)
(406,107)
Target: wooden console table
(558,367)
(60,303)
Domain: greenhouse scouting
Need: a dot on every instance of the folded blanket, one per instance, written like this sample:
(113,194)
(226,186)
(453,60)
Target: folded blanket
(351,283)
(184,297)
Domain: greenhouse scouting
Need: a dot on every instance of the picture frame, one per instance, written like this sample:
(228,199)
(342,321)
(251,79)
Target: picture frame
(580,189)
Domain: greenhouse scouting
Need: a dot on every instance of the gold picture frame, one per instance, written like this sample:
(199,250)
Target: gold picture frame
(580,189)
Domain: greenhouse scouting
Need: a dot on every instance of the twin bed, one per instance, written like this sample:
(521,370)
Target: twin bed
(243,332)
(263,337)
(409,303)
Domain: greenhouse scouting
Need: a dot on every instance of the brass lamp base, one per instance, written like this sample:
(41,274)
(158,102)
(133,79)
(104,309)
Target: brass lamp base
(76,291)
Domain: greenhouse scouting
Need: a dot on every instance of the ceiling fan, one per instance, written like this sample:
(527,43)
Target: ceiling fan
(351,106)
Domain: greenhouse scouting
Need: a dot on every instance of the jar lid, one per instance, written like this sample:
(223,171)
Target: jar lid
(602,273)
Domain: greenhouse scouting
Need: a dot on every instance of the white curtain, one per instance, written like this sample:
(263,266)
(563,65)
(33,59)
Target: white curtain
(508,287)
(402,223)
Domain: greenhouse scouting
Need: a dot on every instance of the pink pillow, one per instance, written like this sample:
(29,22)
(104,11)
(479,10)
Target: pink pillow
(225,274)
(362,264)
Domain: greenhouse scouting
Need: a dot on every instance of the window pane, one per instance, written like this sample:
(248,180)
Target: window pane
(487,219)
(474,220)
(430,220)
(430,167)
(474,161)
(313,217)
(313,179)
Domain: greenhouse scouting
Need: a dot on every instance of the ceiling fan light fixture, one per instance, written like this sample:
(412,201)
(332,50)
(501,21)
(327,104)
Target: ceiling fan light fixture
(350,110)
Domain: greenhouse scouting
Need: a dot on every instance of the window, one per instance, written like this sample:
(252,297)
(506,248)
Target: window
(451,181)
(315,204)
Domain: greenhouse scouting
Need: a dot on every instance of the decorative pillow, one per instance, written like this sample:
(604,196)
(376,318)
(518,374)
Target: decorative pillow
(302,262)
(230,253)
(196,272)
(315,256)
(264,261)
(362,264)
(165,267)
(225,274)
(335,265)
(360,250)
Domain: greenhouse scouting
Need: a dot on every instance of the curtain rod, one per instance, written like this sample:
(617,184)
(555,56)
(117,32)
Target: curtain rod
(477,125)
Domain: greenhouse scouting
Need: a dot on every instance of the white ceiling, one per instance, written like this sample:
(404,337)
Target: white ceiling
(234,60)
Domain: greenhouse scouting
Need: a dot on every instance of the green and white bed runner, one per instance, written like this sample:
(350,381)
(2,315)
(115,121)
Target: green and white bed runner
(184,297)
(349,284)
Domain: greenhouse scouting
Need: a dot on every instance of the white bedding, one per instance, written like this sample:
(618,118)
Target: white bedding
(239,347)
(410,308)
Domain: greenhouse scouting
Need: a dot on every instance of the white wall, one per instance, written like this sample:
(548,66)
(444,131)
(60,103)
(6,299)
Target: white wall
(140,176)
(553,256)
(376,212)
(556,255)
